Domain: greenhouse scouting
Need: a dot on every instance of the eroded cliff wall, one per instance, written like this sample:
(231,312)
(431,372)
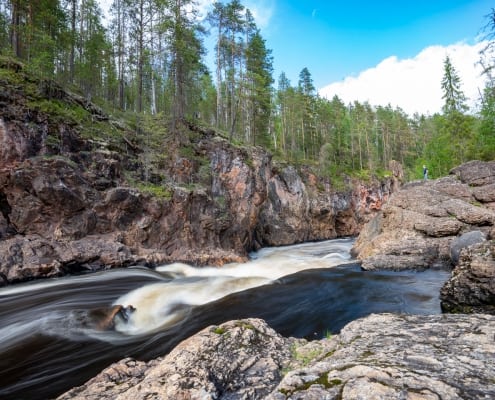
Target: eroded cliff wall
(67,204)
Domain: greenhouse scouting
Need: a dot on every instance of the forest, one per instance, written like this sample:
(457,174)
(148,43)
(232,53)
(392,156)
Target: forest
(145,62)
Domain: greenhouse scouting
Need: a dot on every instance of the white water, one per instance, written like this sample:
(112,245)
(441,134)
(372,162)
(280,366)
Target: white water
(162,304)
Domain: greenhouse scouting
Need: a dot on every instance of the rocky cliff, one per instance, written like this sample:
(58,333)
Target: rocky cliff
(77,193)
(379,357)
(417,227)
(446,223)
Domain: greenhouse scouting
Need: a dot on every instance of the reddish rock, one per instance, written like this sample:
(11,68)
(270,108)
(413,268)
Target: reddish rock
(65,205)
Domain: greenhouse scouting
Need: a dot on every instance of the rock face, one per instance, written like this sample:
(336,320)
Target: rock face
(415,229)
(66,205)
(472,286)
(461,242)
(441,223)
(237,360)
(379,357)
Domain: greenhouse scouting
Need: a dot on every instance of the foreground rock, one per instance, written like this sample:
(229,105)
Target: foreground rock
(415,229)
(239,359)
(379,357)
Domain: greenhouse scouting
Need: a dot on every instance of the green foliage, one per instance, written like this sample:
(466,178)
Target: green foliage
(483,146)
(158,191)
(60,111)
(455,100)
(305,357)
(147,68)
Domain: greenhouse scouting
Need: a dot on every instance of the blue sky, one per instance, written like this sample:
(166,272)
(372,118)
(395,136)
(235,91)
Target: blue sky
(336,39)
(377,51)
(383,52)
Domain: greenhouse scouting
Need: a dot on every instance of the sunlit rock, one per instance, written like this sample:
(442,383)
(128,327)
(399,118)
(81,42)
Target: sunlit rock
(377,357)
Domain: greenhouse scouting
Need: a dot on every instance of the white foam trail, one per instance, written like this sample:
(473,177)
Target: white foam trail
(62,281)
(164,304)
(16,333)
(275,262)
(50,324)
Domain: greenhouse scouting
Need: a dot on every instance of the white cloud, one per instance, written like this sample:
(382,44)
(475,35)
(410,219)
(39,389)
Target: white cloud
(203,6)
(414,84)
(262,11)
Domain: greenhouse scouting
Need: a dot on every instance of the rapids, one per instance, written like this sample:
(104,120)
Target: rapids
(51,342)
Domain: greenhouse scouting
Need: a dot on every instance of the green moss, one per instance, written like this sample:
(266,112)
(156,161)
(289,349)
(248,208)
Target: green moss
(159,191)
(59,157)
(56,109)
(459,309)
(249,162)
(220,201)
(321,380)
(329,354)
(10,77)
(306,357)
(245,325)
(219,330)
(204,173)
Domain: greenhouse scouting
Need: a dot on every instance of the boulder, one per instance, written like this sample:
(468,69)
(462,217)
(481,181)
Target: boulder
(472,285)
(381,356)
(476,173)
(417,226)
(463,241)
(400,357)
(239,359)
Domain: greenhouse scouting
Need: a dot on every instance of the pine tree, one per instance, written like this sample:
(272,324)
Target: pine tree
(259,75)
(457,127)
(217,19)
(306,90)
(455,100)
(186,50)
(484,144)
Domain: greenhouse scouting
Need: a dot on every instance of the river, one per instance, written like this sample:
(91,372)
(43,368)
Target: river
(49,341)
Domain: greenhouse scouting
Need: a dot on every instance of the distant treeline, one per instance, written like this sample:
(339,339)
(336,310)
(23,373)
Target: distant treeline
(147,57)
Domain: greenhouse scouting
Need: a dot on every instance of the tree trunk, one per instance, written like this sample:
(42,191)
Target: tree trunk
(15,34)
(73,41)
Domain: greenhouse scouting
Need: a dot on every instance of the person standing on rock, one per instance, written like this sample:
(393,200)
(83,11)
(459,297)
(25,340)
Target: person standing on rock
(425,173)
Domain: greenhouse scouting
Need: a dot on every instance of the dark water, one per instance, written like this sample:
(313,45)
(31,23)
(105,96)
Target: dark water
(49,344)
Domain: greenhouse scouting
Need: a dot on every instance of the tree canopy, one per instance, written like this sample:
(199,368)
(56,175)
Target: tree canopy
(147,58)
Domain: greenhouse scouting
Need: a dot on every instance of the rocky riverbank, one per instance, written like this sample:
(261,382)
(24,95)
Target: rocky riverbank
(379,357)
(77,198)
(444,223)
(415,229)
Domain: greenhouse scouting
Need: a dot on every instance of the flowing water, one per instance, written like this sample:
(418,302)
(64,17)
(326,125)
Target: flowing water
(50,339)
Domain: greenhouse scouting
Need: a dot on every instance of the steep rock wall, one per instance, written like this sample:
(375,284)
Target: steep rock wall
(67,207)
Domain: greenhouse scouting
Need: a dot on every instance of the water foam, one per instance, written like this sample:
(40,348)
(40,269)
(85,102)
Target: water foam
(161,305)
